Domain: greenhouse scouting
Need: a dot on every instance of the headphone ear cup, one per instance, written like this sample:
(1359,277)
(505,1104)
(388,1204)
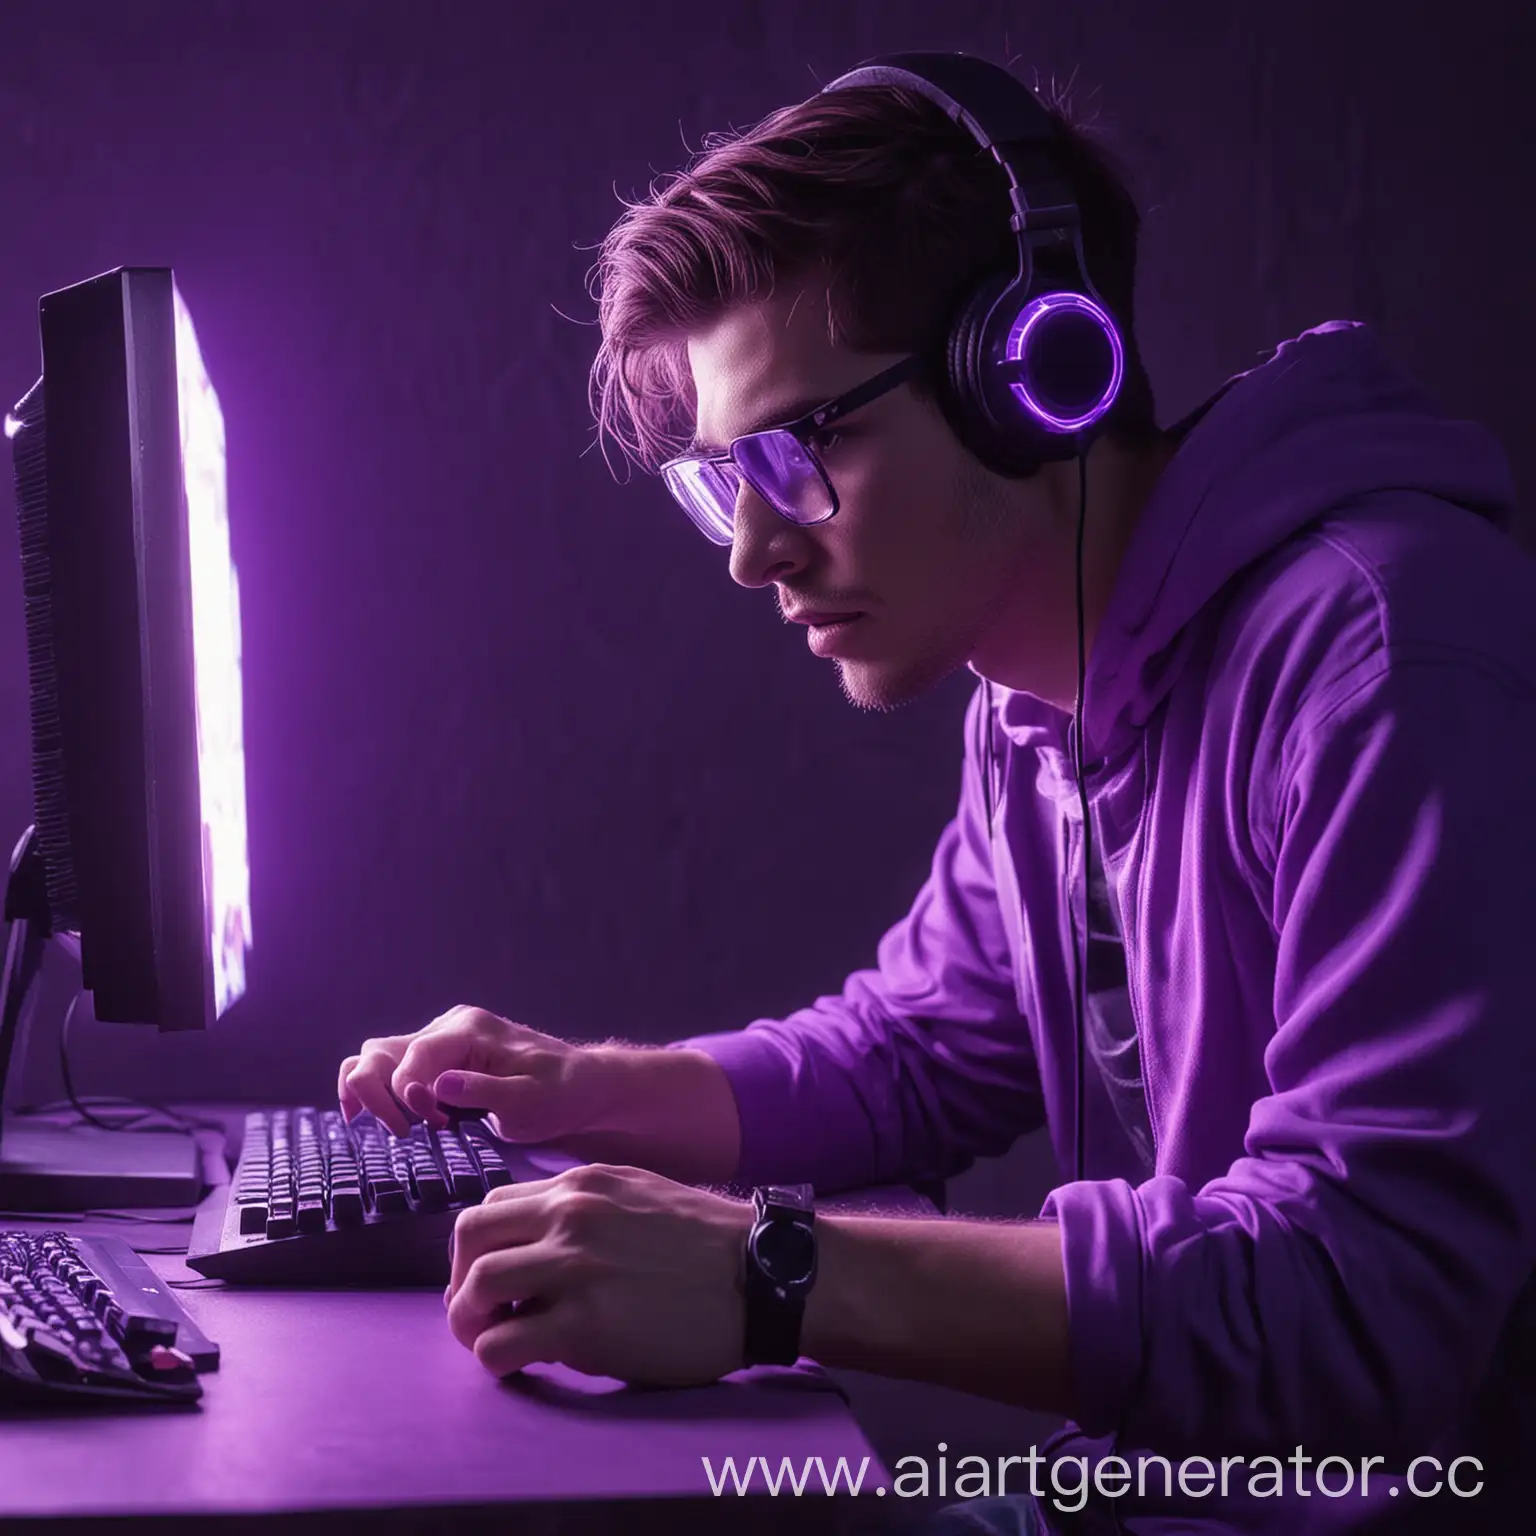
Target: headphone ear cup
(1011,450)
(965,342)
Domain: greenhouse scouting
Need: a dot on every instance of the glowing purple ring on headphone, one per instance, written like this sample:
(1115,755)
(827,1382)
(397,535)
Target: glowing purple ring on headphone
(1029,317)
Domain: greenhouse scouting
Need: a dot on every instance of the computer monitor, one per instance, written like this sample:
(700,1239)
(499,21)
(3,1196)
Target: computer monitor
(137,854)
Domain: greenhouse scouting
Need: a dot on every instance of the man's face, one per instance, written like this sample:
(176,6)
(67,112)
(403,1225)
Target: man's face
(943,562)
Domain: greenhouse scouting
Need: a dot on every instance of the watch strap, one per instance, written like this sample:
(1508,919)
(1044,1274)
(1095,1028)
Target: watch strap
(773,1328)
(775,1314)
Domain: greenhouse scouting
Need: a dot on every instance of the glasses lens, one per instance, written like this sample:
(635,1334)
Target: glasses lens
(707,492)
(774,464)
(779,468)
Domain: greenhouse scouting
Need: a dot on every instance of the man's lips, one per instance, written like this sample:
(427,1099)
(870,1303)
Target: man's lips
(826,634)
(818,616)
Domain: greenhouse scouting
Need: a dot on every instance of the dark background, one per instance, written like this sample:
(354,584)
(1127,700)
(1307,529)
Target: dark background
(514,738)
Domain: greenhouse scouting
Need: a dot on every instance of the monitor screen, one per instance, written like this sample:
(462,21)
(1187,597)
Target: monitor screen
(216,651)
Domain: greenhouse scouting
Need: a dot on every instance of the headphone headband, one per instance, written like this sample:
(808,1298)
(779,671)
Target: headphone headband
(994,111)
(1033,360)
(1002,114)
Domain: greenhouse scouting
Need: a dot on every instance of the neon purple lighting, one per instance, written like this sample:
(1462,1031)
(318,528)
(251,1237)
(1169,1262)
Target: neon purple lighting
(216,646)
(1031,316)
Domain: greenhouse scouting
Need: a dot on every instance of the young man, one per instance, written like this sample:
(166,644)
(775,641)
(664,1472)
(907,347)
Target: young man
(1305,1222)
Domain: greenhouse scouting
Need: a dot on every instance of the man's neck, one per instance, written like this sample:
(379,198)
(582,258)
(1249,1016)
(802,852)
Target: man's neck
(1120,482)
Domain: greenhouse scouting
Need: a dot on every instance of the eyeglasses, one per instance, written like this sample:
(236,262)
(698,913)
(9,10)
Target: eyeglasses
(779,463)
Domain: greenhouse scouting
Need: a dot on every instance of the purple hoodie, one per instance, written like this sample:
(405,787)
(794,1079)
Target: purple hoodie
(1309,1210)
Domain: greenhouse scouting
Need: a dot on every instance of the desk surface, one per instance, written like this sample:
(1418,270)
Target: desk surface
(330,1403)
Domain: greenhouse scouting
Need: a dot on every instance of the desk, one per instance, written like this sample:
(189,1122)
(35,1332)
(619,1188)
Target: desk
(332,1408)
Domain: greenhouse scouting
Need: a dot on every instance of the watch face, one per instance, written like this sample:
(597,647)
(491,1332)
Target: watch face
(786,1252)
(798,1196)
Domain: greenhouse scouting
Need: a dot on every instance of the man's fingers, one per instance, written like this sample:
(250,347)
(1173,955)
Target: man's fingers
(420,1102)
(368,1083)
(509,1216)
(519,1189)
(442,1046)
(349,1102)
(522,1108)
(536,1333)
(505,1278)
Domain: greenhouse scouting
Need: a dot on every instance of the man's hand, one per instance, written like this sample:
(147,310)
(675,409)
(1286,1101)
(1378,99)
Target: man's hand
(611,1271)
(536,1088)
(671,1110)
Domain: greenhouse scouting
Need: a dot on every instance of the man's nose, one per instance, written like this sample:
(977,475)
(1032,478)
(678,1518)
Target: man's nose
(765,547)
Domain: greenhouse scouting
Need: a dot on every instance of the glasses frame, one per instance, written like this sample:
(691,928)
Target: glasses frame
(801,428)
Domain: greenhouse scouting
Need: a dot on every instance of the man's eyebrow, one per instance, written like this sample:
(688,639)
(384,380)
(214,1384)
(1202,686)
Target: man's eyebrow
(774,418)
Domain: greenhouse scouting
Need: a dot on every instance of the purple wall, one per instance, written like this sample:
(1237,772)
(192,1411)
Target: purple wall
(514,737)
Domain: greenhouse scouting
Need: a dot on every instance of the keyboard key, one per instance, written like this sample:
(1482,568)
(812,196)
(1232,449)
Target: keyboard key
(388,1202)
(50,1356)
(431,1189)
(467,1184)
(140,1331)
(347,1208)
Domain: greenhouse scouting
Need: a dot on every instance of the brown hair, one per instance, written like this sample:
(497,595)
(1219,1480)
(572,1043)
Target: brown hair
(874,186)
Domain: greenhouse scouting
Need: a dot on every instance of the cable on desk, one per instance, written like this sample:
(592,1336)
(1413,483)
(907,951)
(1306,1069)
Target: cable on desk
(184,1122)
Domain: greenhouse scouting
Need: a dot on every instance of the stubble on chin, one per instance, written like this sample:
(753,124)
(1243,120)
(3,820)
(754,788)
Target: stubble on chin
(879,690)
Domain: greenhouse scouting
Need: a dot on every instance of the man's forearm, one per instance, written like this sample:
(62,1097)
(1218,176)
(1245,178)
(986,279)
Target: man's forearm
(672,1111)
(977,1306)
(980,1307)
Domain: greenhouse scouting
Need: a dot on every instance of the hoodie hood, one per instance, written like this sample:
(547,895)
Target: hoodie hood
(1324,421)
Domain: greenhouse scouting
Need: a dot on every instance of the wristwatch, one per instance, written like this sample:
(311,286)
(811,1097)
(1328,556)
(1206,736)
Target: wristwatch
(781,1268)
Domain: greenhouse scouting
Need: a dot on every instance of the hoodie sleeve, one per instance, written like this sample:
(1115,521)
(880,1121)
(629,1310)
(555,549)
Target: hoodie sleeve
(919,1065)
(1343,1285)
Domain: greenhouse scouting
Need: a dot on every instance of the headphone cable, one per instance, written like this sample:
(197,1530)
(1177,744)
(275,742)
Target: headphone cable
(1080,951)
(1079,947)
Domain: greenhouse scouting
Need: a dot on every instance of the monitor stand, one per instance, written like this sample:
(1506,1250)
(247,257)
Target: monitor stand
(46,1166)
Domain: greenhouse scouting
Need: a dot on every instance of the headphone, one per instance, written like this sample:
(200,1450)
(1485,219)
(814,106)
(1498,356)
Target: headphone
(1033,361)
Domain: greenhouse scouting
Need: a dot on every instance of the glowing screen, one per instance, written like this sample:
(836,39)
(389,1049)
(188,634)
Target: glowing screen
(216,644)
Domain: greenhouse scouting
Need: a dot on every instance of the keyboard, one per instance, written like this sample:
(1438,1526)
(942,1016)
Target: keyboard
(85,1320)
(316,1202)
